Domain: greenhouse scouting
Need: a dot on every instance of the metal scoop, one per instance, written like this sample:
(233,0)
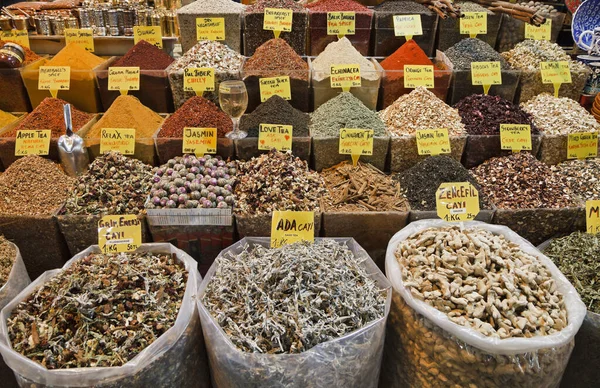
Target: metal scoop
(71,148)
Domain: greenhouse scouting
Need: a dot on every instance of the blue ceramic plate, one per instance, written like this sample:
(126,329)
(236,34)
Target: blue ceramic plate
(587,17)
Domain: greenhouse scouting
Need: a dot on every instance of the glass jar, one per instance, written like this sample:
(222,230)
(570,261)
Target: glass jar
(11,56)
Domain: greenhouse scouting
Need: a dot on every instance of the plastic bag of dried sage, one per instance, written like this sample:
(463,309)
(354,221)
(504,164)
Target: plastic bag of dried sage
(117,320)
(476,305)
(304,315)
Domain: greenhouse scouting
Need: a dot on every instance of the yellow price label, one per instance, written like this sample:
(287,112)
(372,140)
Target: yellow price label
(83,37)
(473,23)
(433,141)
(543,32)
(20,37)
(32,142)
(345,77)
(556,73)
(288,227)
(486,74)
(418,75)
(124,78)
(515,137)
(199,80)
(118,234)
(54,78)
(592,216)
(151,34)
(275,136)
(457,201)
(408,26)
(275,86)
(341,23)
(199,141)
(210,28)
(582,145)
(278,20)
(356,142)
(117,139)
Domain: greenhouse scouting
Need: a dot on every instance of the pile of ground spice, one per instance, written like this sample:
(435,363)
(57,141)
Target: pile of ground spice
(342,52)
(6,118)
(520,181)
(33,186)
(30,56)
(344,111)
(196,112)
(50,115)
(408,54)
(8,254)
(275,58)
(482,114)
(420,182)
(146,56)
(128,112)
(276,110)
(76,57)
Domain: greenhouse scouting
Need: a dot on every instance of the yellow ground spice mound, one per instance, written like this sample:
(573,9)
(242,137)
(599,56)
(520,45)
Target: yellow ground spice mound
(6,118)
(128,112)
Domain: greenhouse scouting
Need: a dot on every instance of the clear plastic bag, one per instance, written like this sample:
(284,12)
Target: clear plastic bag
(352,360)
(425,348)
(176,359)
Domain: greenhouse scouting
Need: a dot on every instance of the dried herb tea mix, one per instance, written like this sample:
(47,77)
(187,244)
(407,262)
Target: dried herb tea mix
(290,299)
(102,311)
(8,254)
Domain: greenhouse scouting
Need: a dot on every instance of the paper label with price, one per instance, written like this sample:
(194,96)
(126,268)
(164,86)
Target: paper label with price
(151,34)
(275,136)
(345,77)
(433,141)
(199,141)
(117,139)
(54,78)
(20,37)
(210,29)
(486,74)
(288,227)
(122,233)
(356,142)
(543,32)
(199,80)
(582,145)
(473,23)
(341,23)
(32,142)
(84,37)
(418,75)
(592,216)
(457,201)
(275,86)
(515,137)
(278,20)
(124,78)
(408,26)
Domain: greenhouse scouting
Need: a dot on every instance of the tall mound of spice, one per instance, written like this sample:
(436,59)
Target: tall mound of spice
(408,54)
(582,177)
(342,52)
(146,56)
(128,112)
(43,182)
(50,115)
(520,181)
(328,270)
(77,58)
(344,111)
(559,115)
(148,292)
(197,112)
(482,114)
(113,184)
(420,182)
(276,110)
(473,50)
(8,254)
(274,58)
(420,109)
(361,188)
(277,181)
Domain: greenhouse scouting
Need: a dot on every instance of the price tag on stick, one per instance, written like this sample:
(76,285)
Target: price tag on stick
(457,201)
(341,23)
(345,77)
(433,141)
(543,32)
(418,75)
(356,142)
(210,29)
(199,80)
(118,234)
(33,142)
(54,78)
(407,26)
(84,37)
(582,145)
(556,73)
(486,74)
(199,141)
(273,86)
(20,37)
(275,136)
(473,23)
(124,79)
(117,139)
(151,34)
(288,227)
(592,216)
(278,20)
(515,137)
